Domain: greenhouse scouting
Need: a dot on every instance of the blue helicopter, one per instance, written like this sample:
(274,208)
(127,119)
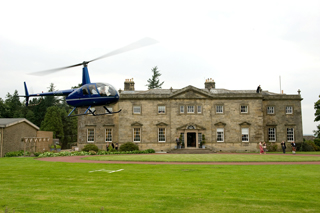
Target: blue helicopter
(89,94)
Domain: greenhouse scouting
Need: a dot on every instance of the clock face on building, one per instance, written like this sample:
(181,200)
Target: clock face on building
(191,127)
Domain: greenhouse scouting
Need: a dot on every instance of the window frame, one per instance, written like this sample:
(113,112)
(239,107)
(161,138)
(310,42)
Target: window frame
(133,138)
(246,107)
(274,134)
(136,113)
(220,141)
(292,134)
(286,109)
(269,111)
(242,134)
(190,107)
(106,137)
(164,134)
(199,106)
(181,107)
(93,135)
(165,110)
(222,110)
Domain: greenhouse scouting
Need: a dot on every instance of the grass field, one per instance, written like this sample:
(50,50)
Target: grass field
(207,158)
(28,185)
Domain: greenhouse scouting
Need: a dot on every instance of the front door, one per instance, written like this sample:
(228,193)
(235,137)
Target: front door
(191,139)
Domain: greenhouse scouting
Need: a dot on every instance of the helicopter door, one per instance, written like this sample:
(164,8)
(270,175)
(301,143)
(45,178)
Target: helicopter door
(93,90)
(85,90)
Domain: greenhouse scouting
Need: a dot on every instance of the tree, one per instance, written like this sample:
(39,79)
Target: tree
(53,122)
(317,114)
(154,82)
(13,105)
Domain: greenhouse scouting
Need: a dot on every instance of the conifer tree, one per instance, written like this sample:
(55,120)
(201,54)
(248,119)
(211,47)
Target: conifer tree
(154,81)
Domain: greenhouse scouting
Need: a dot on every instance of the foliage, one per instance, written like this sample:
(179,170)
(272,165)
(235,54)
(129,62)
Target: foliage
(58,147)
(90,147)
(203,140)
(36,154)
(91,152)
(317,141)
(17,154)
(111,149)
(271,147)
(52,122)
(154,82)
(317,118)
(129,146)
(308,146)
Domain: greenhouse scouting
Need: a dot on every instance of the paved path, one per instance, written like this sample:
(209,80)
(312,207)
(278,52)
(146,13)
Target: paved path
(77,159)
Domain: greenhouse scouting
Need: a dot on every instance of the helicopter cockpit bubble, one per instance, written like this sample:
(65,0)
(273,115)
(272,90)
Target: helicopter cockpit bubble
(106,89)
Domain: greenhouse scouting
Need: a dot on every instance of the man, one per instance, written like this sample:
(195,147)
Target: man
(283,145)
(293,144)
(259,89)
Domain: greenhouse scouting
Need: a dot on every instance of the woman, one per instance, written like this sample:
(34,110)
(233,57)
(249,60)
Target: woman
(283,146)
(264,147)
(260,147)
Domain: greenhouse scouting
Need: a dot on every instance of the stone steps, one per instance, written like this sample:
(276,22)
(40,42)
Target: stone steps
(190,151)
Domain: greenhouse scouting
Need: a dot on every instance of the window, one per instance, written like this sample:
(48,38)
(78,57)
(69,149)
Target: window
(108,135)
(110,109)
(190,109)
(270,110)
(199,138)
(199,109)
(181,109)
(244,109)
(92,110)
(290,135)
(136,134)
(219,109)
(220,135)
(85,90)
(245,134)
(272,134)
(90,135)
(93,90)
(162,135)
(182,138)
(289,110)
(136,109)
(161,109)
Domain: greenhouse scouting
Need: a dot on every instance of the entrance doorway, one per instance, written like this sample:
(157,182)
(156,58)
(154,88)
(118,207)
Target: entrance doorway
(191,139)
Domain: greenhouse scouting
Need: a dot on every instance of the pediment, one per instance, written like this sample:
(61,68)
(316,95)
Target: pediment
(245,124)
(161,124)
(136,124)
(191,126)
(220,124)
(190,92)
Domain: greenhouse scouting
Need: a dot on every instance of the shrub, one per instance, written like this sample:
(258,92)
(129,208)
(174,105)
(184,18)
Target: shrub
(305,146)
(272,147)
(92,152)
(317,141)
(58,147)
(129,146)
(149,151)
(90,147)
(36,154)
(111,149)
(17,154)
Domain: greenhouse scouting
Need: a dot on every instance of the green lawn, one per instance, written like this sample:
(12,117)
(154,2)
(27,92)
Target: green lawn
(28,185)
(206,158)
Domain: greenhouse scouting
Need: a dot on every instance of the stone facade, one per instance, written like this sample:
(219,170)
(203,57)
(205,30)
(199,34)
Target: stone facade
(231,120)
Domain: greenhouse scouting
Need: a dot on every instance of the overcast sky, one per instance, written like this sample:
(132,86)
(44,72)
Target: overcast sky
(239,44)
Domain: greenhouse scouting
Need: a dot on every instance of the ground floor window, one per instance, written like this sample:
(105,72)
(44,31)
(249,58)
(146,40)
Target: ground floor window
(290,134)
(245,134)
(162,135)
(182,138)
(220,135)
(108,135)
(199,138)
(90,135)
(272,134)
(136,134)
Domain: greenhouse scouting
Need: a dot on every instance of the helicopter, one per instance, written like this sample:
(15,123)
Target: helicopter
(89,94)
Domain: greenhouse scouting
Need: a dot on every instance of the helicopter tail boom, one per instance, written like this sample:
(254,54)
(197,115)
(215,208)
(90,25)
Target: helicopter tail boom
(26,93)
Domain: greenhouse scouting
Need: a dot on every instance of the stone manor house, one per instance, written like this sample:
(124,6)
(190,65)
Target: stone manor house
(231,120)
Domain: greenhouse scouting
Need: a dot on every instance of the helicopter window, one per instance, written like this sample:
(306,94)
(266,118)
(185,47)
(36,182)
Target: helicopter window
(85,91)
(93,90)
(106,89)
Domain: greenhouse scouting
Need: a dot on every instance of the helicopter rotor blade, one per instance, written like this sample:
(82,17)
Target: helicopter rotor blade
(136,45)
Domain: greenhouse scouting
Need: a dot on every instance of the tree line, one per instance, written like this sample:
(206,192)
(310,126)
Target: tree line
(49,113)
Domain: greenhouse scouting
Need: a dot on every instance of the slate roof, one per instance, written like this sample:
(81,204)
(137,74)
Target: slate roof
(6,122)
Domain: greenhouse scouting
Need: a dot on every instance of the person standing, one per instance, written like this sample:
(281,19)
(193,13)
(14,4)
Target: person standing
(261,148)
(264,145)
(283,146)
(293,144)
(178,142)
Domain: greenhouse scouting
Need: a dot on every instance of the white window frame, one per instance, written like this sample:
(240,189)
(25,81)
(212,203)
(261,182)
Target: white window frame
(181,109)
(161,109)
(272,134)
(163,136)
(243,133)
(134,139)
(220,130)
(136,110)
(244,108)
(90,135)
(270,110)
(219,109)
(291,139)
(289,110)
(110,109)
(111,131)
(92,109)
(199,109)
(190,109)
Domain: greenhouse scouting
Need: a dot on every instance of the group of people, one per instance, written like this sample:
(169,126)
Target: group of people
(263,147)
(113,146)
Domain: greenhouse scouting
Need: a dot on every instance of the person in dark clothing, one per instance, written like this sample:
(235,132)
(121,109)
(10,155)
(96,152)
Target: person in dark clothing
(259,89)
(283,146)
(293,144)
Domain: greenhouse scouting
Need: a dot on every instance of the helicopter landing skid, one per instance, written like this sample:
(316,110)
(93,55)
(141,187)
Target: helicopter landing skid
(93,112)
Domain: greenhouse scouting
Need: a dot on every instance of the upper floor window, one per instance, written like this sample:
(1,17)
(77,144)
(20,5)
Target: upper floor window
(219,109)
(181,109)
(161,109)
(289,109)
(270,110)
(199,109)
(190,109)
(136,109)
(110,110)
(90,135)
(244,109)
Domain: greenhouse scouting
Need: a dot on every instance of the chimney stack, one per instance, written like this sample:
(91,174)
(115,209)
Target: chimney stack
(209,84)
(129,85)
